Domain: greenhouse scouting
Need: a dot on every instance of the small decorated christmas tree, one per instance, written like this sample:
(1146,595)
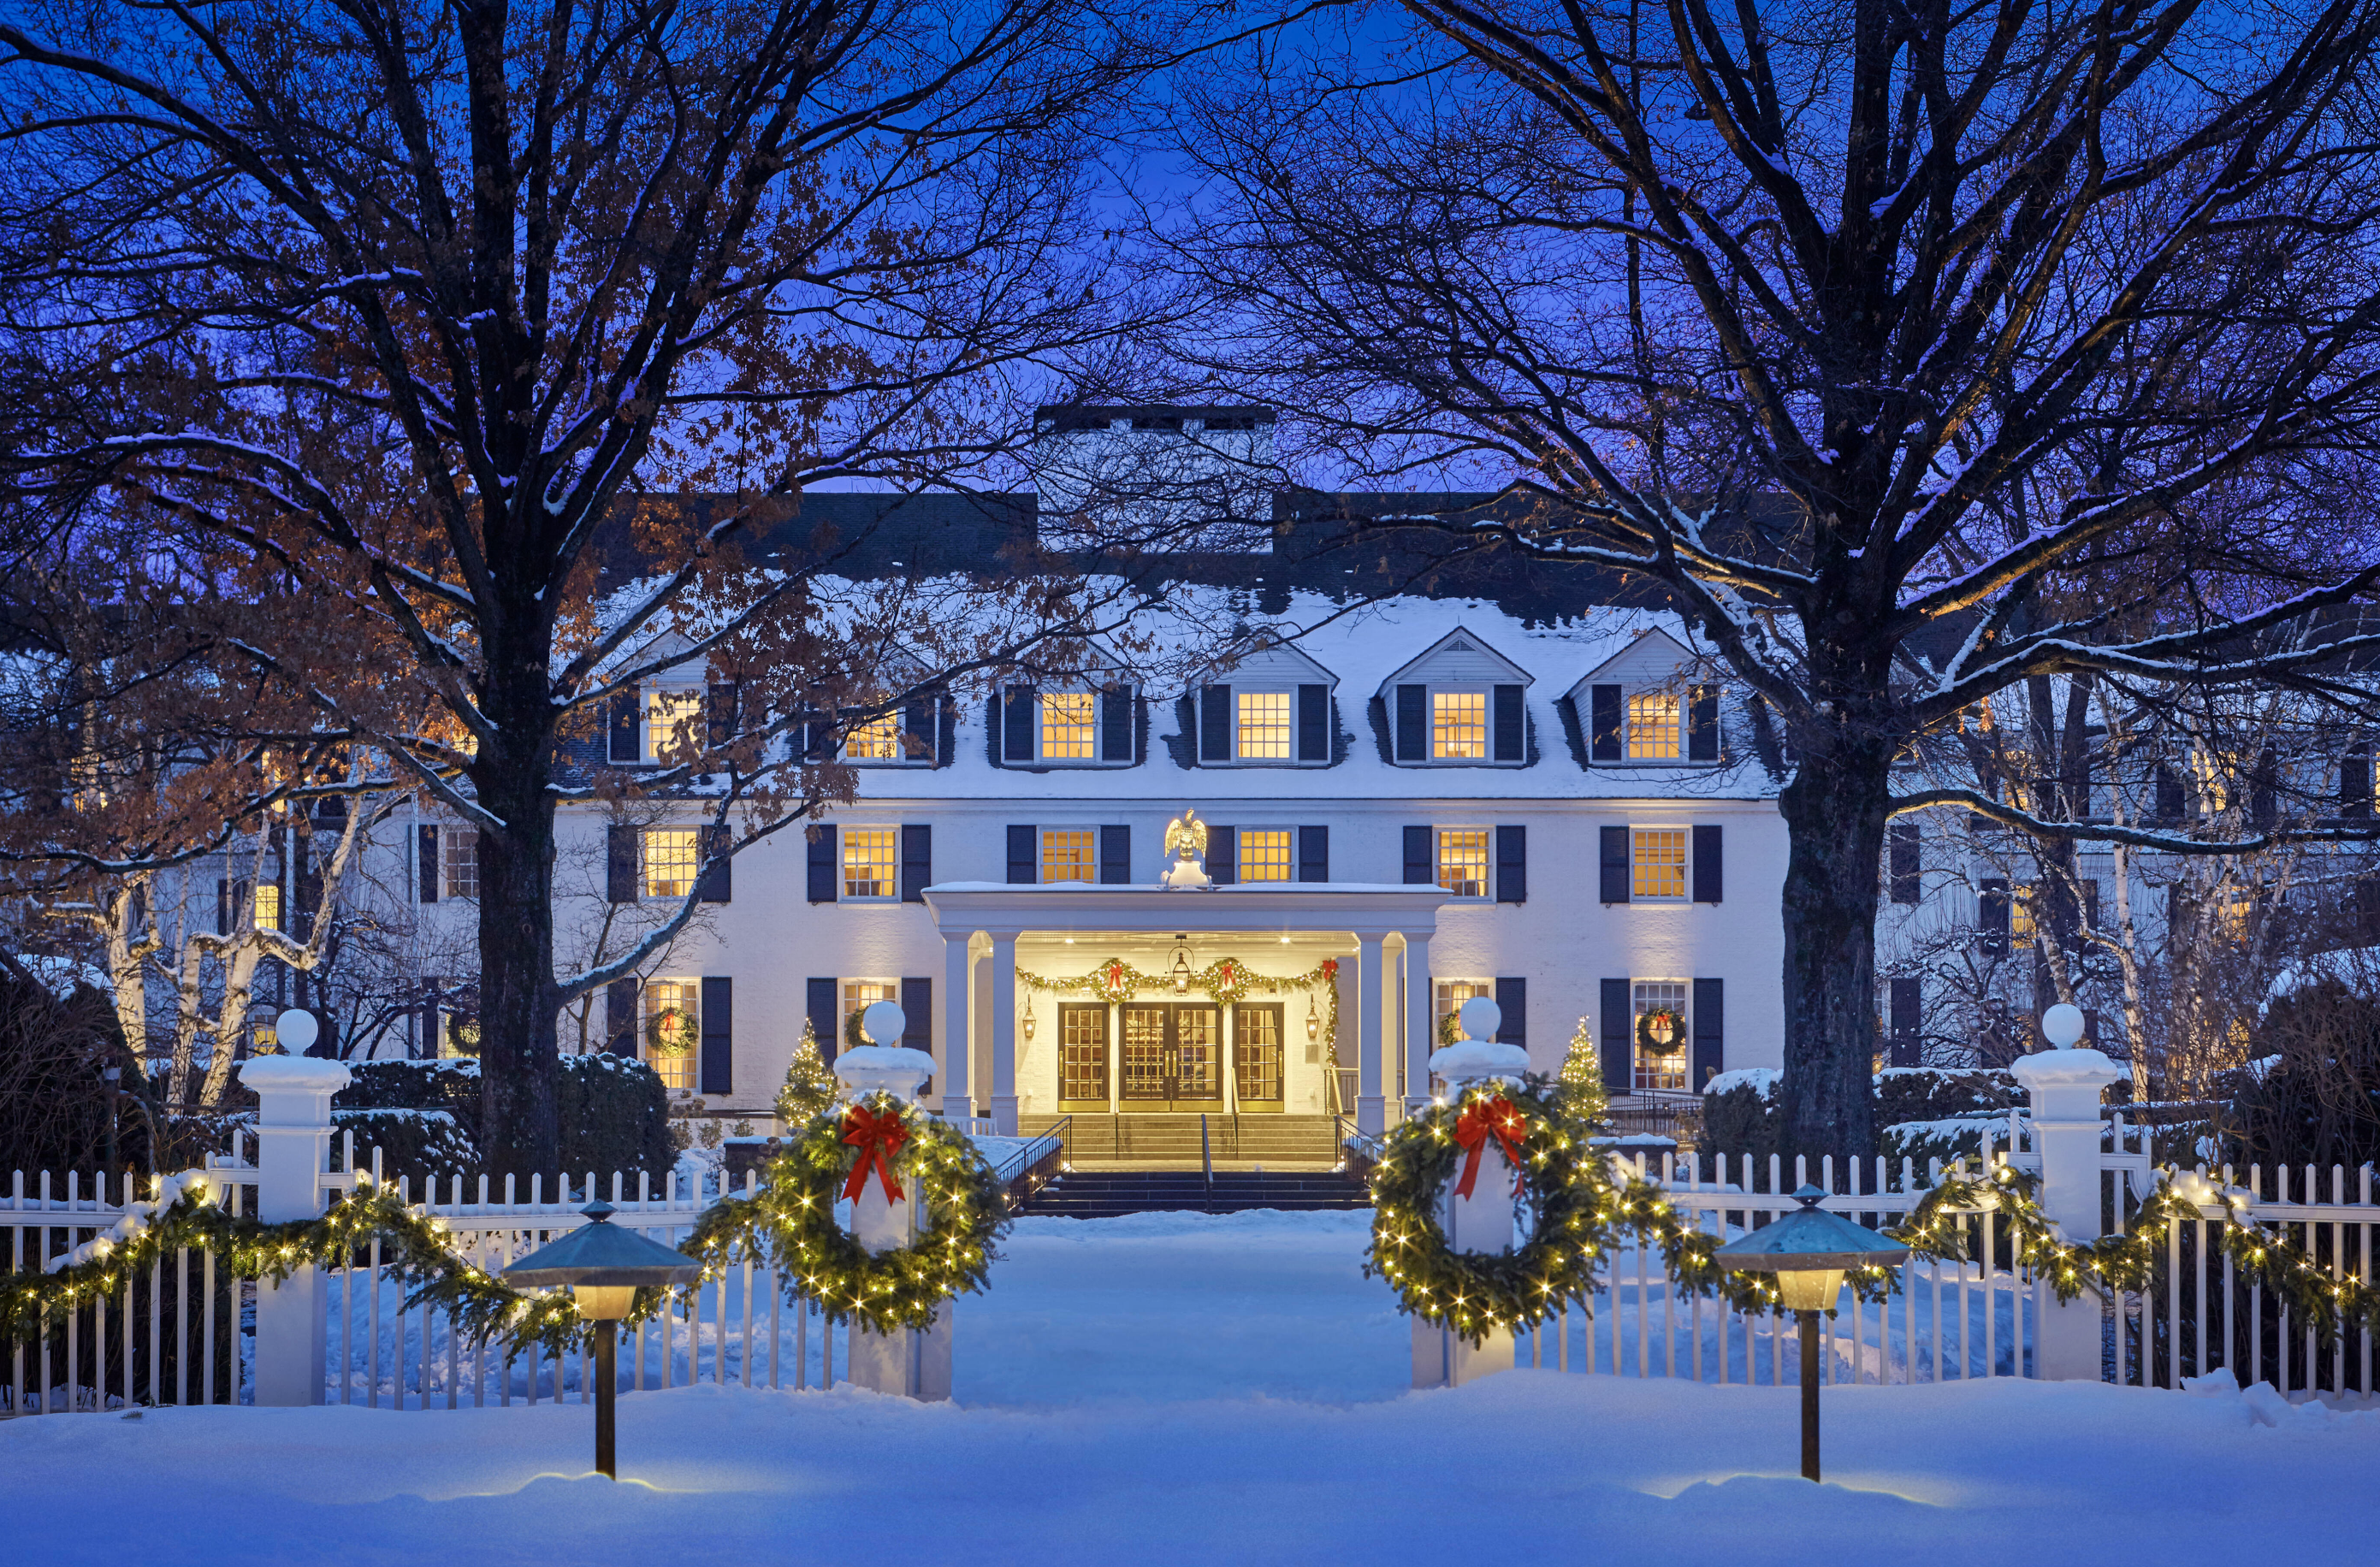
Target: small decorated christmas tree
(810,1085)
(1581,1076)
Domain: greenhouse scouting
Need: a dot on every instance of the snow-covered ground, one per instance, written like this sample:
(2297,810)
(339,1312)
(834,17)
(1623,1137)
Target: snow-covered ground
(1185,1389)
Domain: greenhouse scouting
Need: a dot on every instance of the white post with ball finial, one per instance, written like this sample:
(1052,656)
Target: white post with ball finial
(1483,1221)
(292,1151)
(2064,1084)
(910,1363)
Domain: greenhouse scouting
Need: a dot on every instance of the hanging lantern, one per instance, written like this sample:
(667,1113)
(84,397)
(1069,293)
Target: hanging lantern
(1028,1017)
(1313,1021)
(1181,967)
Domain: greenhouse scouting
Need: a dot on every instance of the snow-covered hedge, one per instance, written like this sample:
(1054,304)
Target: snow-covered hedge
(1924,1110)
(613,1110)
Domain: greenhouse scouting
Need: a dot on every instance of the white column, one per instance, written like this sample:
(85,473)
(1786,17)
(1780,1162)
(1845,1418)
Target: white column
(958,1041)
(1418,1040)
(1371,1113)
(907,1362)
(1003,1033)
(2064,1086)
(293,1148)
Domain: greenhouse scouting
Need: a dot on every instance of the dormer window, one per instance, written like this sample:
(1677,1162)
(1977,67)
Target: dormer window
(1067,718)
(1646,707)
(1260,724)
(1458,725)
(1460,704)
(1264,726)
(875,739)
(1653,726)
(1065,728)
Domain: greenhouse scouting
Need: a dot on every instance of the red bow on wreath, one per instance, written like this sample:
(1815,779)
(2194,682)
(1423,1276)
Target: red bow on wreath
(878,1139)
(1481,1119)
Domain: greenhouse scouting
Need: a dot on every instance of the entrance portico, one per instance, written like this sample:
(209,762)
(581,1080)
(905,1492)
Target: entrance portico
(1158,1042)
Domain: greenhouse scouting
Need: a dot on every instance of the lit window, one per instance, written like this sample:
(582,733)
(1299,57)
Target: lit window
(671,860)
(1451,994)
(858,995)
(2021,914)
(1653,728)
(1069,857)
(1264,854)
(672,1031)
(1067,721)
(867,862)
(1458,725)
(459,847)
(268,907)
(879,739)
(1659,1047)
(1264,726)
(673,722)
(1659,863)
(1462,861)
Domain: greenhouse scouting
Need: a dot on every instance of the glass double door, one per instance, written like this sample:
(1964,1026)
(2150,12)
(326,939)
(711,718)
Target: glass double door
(1173,1056)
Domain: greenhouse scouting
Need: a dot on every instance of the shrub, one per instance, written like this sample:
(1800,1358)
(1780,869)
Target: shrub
(2313,1095)
(613,1109)
(1924,1111)
(52,1097)
(1739,1117)
(418,1146)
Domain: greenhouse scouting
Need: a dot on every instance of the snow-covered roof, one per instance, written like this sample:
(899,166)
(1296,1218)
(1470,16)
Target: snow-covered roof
(1461,641)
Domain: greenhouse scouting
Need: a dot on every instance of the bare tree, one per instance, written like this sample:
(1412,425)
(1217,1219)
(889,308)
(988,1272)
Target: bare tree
(416,311)
(1916,351)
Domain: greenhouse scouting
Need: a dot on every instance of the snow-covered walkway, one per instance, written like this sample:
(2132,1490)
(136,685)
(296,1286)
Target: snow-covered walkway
(1210,1390)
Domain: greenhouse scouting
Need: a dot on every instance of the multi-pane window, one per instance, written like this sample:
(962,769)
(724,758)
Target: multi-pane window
(672,720)
(1458,725)
(877,739)
(1070,855)
(858,995)
(1069,725)
(268,907)
(1264,853)
(1660,1045)
(672,1031)
(2021,914)
(1658,863)
(459,847)
(1448,1002)
(1264,726)
(671,860)
(1462,861)
(1653,728)
(869,862)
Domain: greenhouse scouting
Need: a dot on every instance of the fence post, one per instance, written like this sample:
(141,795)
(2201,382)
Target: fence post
(2064,1086)
(908,1362)
(293,1147)
(1483,1221)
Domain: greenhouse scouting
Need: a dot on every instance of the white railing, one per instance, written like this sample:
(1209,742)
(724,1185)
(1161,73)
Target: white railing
(1947,1321)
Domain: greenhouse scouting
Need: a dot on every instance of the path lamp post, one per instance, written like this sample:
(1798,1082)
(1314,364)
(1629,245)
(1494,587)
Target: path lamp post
(604,1268)
(1809,1250)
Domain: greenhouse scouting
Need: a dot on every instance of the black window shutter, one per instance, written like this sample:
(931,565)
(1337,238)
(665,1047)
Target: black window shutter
(1710,1032)
(2167,806)
(1314,854)
(718,880)
(817,733)
(721,709)
(1992,915)
(1115,723)
(1314,723)
(620,1018)
(1619,1073)
(1905,1000)
(1710,864)
(1412,724)
(825,874)
(1016,725)
(946,732)
(627,743)
(825,1018)
(1023,856)
(1603,724)
(1702,724)
(1614,843)
(1906,867)
(2354,786)
(1115,856)
(223,907)
(428,838)
(2263,800)
(718,1037)
(620,863)
(917,731)
(1512,865)
(1513,1000)
(917,1008)
(1224,856)
(917,860)
(1509,727)
(1421,857)
(1215,724)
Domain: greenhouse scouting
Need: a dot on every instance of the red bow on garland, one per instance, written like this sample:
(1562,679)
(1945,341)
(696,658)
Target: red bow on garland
(878,1139)
(1481,1119)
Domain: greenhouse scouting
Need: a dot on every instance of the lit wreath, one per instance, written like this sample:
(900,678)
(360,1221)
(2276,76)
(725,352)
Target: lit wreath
(1566,1182)
(790,1222)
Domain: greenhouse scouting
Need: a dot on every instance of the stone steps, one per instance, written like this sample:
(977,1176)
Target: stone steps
(1108,1193)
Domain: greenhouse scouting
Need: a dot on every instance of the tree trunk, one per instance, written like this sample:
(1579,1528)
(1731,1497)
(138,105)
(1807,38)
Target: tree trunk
(519,1004)
(1835,813)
